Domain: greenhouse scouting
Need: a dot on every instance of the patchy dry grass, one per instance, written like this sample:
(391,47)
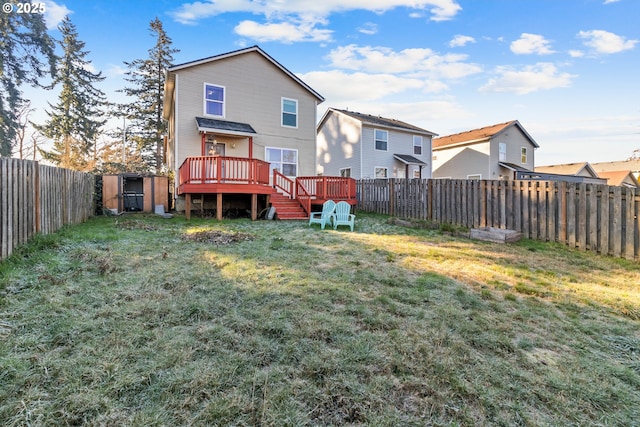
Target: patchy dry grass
(145,321)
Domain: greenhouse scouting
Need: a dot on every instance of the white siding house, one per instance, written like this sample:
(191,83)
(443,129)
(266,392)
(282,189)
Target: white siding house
(366,146)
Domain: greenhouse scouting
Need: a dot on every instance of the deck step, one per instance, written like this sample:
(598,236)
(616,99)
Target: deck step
(286,208)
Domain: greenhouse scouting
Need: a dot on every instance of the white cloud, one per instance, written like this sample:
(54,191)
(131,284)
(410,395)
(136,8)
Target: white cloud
(605,42)
(368,28)
(343,87)
(576,53)
(285,32)
(416,61)
(54,13)
(610,1)
(531,44)
(190,13)
(532,78)
(460,40)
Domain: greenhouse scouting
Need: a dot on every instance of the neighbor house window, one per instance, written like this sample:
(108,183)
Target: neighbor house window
(214,100)
(345,173)
(478,176)
(382,139)
(417,145)
(523,155)
(282,159)
(289,112)
(502,152)
(381,173)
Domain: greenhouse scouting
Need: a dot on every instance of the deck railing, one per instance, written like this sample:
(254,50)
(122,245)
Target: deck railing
(329,187)
(230,170)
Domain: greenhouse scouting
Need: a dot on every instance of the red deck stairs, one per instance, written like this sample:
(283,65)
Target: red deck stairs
(287,208)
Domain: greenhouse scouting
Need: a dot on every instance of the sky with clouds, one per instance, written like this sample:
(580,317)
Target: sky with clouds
(566,69)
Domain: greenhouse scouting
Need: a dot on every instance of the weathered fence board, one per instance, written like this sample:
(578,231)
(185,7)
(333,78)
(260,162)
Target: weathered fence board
(591,217)
(36,198)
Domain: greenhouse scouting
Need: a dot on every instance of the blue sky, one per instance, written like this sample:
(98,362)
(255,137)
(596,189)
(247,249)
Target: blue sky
(566,69)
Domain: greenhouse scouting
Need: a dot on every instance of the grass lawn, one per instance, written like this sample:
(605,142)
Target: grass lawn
(143,321)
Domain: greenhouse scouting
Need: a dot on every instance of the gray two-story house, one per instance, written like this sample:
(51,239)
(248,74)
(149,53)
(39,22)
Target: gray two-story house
(361,146)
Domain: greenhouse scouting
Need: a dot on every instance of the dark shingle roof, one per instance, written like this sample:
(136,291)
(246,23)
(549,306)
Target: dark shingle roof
(205,123)
(383,121)
(410,160)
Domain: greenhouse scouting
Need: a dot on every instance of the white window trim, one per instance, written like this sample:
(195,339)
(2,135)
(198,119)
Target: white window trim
(282,112)
(374,140)
(526,155)
(344,169)
(204,100)
(475,176)
(266,149)
(502,158)
(375,175)
(421,145)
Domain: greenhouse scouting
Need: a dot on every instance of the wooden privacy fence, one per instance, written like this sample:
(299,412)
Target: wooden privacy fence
(36,198)
(591,217)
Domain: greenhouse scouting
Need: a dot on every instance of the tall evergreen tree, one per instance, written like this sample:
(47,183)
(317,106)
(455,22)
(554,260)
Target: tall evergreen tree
(75,121)
(26,56)
(147,77)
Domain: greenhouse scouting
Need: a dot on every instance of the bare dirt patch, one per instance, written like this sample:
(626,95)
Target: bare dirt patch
(217,237)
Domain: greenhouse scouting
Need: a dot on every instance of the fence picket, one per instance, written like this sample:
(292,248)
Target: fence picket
(39,199)
(590,217)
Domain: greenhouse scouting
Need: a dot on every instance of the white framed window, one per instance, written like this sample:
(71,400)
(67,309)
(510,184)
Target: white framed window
(416,173)
(502,152)
(214,100)
(523,155)
(381,172)
(381,138)
(345,172)
(285,160)
(417,145)
(289,112)
(477,176)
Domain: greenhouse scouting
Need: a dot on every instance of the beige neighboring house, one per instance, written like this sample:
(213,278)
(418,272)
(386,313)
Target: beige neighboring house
(500,151)
(624,165)
(570,172)
(620,178)
(233,119)
(357,145)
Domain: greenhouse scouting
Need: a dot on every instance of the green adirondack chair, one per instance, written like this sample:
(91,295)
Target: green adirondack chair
(323,218)
(343,215)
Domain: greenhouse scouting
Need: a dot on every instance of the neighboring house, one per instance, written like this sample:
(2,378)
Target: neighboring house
(570,172)
(631,165)
(620,178)
(357,145)
(234,118)
(494,152)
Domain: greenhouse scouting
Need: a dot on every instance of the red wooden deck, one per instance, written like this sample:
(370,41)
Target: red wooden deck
(237,175)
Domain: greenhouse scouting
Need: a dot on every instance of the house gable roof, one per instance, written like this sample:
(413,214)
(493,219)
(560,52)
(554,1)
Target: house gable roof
(619,178)
(238,52)
(379,121)
(479,135)
(569,169)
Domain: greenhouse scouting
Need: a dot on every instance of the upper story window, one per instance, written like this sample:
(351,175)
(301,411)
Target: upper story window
(214,100)
(523,155)
(290,112)
(502,152)
(382,139)
(417,145)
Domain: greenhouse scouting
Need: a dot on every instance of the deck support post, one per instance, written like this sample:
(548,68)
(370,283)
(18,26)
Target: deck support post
(219,206)
(187,205)
(254,207)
